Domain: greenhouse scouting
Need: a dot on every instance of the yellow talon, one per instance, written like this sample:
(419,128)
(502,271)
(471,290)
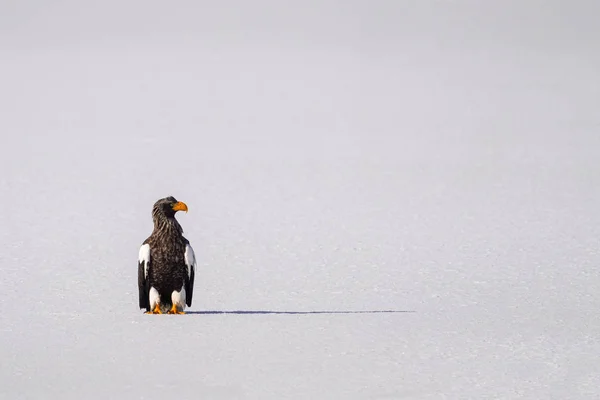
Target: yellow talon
(175,310)
(155,311)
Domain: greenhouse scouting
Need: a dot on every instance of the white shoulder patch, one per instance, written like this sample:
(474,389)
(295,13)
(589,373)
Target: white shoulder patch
(190,259)
(144,257)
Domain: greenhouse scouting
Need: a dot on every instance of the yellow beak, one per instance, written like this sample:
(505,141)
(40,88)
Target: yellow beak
(180,206)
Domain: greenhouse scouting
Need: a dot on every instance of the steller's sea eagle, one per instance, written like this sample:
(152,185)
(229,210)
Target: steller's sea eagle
(166,263)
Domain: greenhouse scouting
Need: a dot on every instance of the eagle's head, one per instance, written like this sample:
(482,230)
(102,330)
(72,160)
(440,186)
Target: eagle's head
(167,207)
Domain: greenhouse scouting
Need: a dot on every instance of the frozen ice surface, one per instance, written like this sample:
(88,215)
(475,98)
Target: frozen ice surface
(434,158)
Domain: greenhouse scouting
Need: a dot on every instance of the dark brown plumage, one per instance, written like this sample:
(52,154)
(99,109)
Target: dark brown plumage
(166,263)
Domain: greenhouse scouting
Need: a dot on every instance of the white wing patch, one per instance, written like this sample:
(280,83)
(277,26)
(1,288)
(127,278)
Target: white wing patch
(190,259)
(144,257)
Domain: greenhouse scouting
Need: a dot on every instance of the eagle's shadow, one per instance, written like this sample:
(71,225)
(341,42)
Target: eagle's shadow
(266,312)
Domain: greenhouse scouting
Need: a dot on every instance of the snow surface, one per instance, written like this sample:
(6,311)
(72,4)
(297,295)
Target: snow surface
(438,159)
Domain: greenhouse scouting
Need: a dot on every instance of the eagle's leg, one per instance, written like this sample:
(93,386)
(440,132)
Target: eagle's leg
(154,300)
(178,301)
(175,310)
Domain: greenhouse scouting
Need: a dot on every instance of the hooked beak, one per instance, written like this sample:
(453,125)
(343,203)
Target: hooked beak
(180,206)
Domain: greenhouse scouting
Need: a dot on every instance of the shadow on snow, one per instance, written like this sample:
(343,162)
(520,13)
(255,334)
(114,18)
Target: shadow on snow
(259,312)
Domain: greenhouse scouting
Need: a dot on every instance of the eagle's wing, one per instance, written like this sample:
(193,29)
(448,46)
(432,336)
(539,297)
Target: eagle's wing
(143,281)
(190,263)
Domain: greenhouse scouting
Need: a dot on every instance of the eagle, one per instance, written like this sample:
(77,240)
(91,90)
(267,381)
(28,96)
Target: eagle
(166,263)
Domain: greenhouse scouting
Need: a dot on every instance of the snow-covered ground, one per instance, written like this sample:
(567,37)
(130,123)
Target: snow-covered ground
(434,159)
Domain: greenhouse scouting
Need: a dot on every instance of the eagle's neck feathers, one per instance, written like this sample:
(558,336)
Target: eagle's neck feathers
(165,226)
